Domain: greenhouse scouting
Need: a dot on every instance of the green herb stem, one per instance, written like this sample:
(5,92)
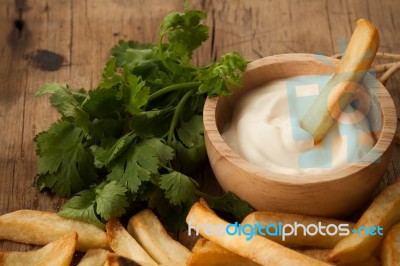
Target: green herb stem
(161,53)
(177,112)
(174,87)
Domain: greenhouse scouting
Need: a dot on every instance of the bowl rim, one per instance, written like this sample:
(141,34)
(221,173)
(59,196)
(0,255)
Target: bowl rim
(383,144)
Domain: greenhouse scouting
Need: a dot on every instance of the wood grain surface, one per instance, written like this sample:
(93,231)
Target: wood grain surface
(68,41)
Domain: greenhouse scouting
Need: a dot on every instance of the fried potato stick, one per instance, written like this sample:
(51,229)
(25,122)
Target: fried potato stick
(208,253)
(338,92)
(259,249)
(41,228)
(324,240)
(322,254)
(151,235)
(122,243)
(390,252)
(117,260)
(94,257)
(59,252)
(383,212)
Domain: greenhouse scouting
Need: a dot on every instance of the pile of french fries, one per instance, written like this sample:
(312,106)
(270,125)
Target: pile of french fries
(351,250)
(146,242)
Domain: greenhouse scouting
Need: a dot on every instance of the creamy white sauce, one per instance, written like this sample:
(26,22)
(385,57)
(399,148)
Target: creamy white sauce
(265,130)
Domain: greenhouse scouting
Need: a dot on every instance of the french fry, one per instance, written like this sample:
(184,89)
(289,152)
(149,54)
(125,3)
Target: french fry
(208,253)
(322,254)
(338,92)
(122,243)
(258,249)
(59,252)
(390,252)
(117,260)
(383,212)
(41,228)
(323,240)
(94,257)
(151,235)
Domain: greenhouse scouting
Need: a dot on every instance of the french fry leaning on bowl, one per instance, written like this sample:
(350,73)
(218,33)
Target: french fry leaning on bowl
(338,92)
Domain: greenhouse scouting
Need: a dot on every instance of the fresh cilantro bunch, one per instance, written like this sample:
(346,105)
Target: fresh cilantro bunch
(133,141)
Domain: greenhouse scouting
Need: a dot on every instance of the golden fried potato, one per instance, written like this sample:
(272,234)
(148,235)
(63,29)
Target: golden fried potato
(259,249)
(117,260)
(59,252)
(266,218)
(208,253)
(322,254)
(151,235)
(122,243)
(338,92)
(377,220)
(94,257)
(41,228)
(390,252)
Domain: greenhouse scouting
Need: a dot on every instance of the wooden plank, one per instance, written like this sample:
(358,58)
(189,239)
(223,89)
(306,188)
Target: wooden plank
(69,41)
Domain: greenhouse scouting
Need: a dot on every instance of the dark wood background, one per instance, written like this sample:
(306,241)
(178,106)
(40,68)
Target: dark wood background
(68,41)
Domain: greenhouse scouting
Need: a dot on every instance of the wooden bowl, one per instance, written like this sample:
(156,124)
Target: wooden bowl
(334,194)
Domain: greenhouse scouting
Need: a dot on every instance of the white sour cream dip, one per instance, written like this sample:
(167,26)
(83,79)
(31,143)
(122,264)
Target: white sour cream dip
(265,129)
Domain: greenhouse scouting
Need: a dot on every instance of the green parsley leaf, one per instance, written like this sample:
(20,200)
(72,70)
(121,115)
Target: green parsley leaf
(153,123)
(105,201)
(103,103)
(190,147)
(103,157)
(191,133)
(139,163)
(81,207)
(68,102)
(134,92)
(64,165)
(184,32)
(133,54)
(229,203)
(216,77)
(111,200)
(179,188)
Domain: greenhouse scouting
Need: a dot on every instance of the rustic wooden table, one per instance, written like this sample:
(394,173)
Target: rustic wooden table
(69,41)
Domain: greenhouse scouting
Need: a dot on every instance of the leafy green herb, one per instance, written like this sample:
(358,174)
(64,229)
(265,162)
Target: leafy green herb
(106,200)
(133,141)
(229,203)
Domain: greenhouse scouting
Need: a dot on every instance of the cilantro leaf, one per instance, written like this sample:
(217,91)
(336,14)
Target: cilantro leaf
(106,200)
(190,147)
(139,163)
(229,203)
(191,133)
(184,32)
(125,87)
(64,165)
(133,54)
(81,207)
(104,156)
(68,102)
(179,188)
(110,77)
(111,200)
(103,103)
(153,123)
(215,77)
(134,92)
